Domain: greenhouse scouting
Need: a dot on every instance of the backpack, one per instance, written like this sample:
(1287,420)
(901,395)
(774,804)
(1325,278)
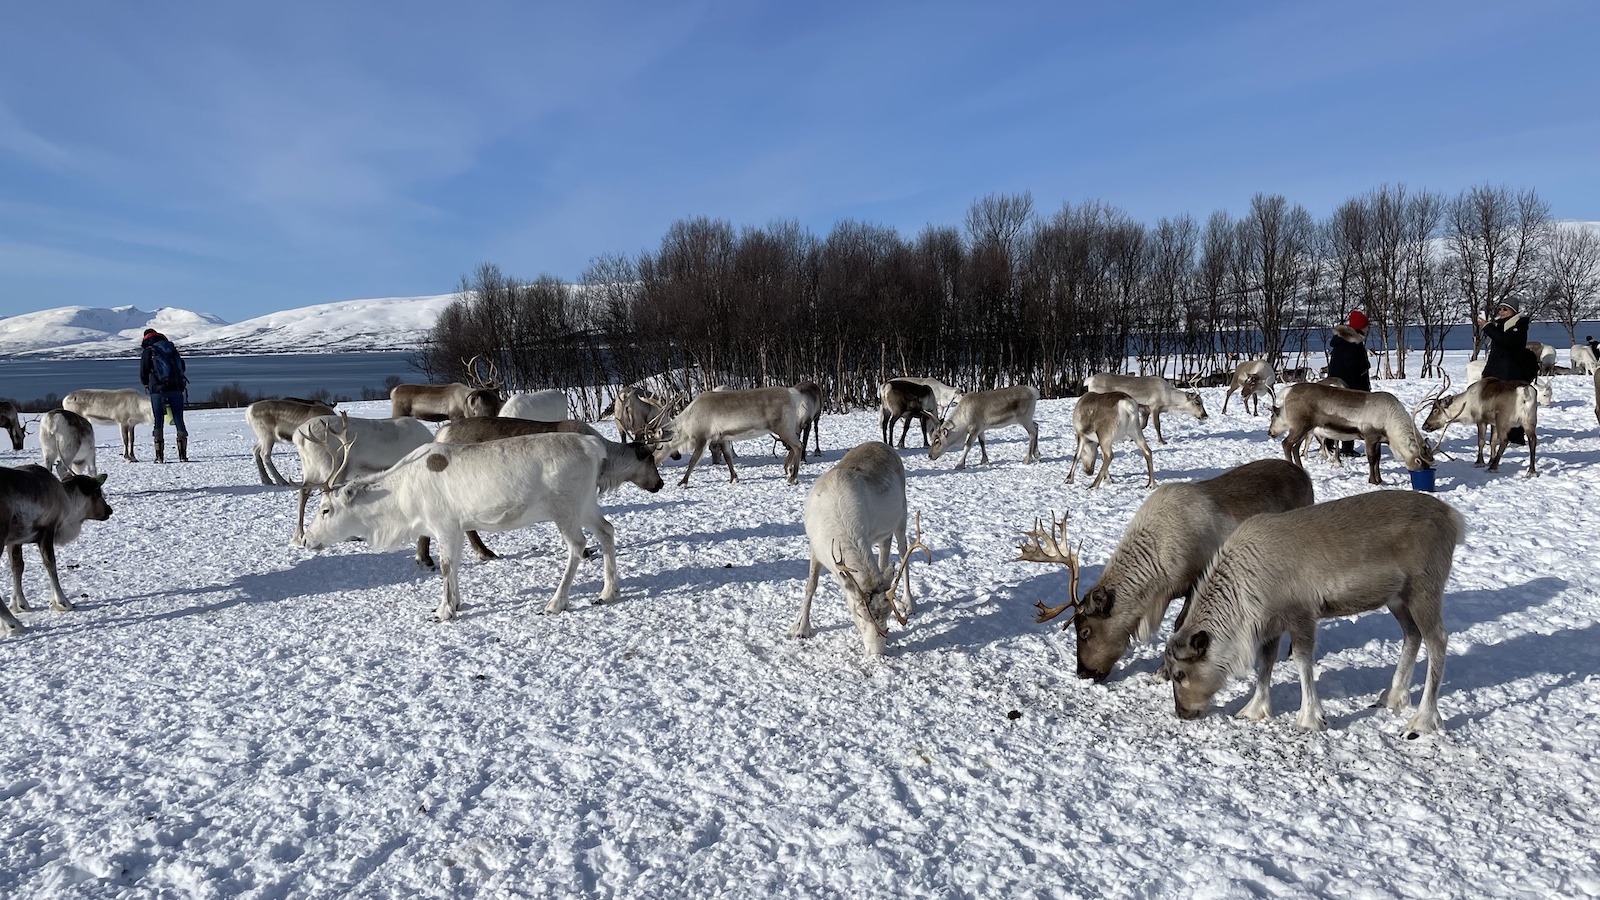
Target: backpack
(166,369)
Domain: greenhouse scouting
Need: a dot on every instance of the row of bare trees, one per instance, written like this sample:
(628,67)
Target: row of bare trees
(1013,296)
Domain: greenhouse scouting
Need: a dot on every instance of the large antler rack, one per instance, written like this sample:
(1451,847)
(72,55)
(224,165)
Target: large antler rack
(1052,546)
(1440,394)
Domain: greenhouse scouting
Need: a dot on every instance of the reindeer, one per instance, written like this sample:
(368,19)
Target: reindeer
(539,406)
(1295,375)
(1154,395)
(1162,555)
(638,414)
(1490,403)
(445,490)
(725,416)
(11,421)
(810,415)
(274,421)
(439,402)
(979,411)
(1281,572)
(124,408)
(1335,413)
(1581,360)
(1546,354)
(859,505)
(66,440)
(38,508)
(902,398)
(1099,421)
(629,462)
(326,453)
(1253,379)
(1543,388)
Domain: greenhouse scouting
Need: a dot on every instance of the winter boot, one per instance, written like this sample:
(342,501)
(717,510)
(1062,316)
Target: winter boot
(161,451)
(183,448)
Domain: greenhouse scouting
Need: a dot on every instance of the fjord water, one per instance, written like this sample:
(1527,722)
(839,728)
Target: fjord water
(273,375)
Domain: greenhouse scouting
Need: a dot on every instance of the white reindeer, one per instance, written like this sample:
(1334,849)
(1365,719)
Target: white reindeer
(854,508)
(1334,413)
(38,508)
(335,447)
(1101,420)
(725,416)
(66,440)
(1490,403)
(1154,395)
(1253,379)
(274,421)
(445,490)
(124,408)
(1162,555)
(1581,360)
(538,406)
(978,412)
(1281,572)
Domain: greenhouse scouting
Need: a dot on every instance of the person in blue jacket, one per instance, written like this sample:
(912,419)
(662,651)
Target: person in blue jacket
(1347,361)
(162,371)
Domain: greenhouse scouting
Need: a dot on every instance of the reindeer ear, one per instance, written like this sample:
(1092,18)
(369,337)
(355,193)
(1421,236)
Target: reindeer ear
(1200,642)
(1099,601)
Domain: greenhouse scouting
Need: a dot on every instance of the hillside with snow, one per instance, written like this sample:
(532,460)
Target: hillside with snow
(81,332)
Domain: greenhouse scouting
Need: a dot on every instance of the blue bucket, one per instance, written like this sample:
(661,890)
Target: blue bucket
(1422,480)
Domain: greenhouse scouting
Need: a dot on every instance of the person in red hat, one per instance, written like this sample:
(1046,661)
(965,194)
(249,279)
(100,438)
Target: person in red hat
(1347,361)
(163,373)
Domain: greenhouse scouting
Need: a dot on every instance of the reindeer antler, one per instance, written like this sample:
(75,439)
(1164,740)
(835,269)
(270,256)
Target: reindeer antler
(344,457)
(1429,402)
(1052,546)
(905,568)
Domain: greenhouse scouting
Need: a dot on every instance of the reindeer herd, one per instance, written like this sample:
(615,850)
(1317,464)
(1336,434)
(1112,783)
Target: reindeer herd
(1250,551)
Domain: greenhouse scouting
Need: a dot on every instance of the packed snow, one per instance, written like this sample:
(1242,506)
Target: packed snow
(227,716)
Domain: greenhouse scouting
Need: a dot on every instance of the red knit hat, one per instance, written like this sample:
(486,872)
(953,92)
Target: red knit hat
(150,331)
(1358,320)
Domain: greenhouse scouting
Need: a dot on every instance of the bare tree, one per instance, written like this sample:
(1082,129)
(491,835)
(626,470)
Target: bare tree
(1270,265)
(1572,273)
(1494,239)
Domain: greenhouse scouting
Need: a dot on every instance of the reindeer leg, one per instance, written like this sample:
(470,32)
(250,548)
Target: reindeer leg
(424,558)
(1482,429)
(1397,697)
(966,450)
(1426,719)
(478,546)
(47,552)
(727,455)
(1260,705)
(1156,416)
(983,450)
(608,553)
(1371,440)
(699,448)
(19,603)
(802,626)
(1149,459)
(299,538)
(574,554)
(1533,444)
(1303,647)
(127,444)
(450,568)
(1033,443)
(1105,465)
(1073,468)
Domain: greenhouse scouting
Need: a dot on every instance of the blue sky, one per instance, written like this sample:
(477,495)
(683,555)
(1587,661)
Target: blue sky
(245,158)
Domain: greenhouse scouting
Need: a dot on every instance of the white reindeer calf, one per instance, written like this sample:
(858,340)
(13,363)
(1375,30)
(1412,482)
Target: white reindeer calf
(1101,420)
(66,441)
(859,505)
(1281,572)
(1253,379)
(978,412)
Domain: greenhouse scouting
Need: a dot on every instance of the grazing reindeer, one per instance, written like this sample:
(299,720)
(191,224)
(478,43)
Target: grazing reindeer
(1295,375)
(1341,414)
(444,490)
(631,462)
(1162,555)
(438,402)
(38,508)
(11,421)
(1101,420)
(1154,395)
(726,416)
(540,406)
(859,505)
(1546,354)
(1254,380)
(326,449)
(66,441)
(1581,360)
(274,421)
(978,412)
(1490,403)
(124,408)
(638,415)
(902,398)
(1281,572)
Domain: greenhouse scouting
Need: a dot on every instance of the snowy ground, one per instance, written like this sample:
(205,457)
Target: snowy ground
(226,716)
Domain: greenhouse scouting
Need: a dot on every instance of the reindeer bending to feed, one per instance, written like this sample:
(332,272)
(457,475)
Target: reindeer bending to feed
(11,421)
(902,398)
(540,406)
(1161,556)
(327,453)
(1154,395)
(124,408)
(631,462)
(859,505)
(445,490)
(1253,379)
(1281,572)
(1335,413)
(725,416)
(274,421)
(638,414)
(1490,403)
(38,508)
(1099,421)
(66,440)
(978,412)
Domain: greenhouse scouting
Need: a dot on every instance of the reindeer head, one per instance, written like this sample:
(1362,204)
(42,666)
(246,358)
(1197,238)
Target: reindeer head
(940,440)
(873,596)
(1193,405)
(1278,424)
(1196,676)
(1099,646)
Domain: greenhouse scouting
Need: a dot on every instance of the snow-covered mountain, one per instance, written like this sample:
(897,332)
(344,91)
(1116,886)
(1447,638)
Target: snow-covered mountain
(82,332)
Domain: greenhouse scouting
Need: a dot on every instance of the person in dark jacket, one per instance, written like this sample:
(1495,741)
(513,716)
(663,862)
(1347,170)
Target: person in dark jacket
(1509,357)
(1347,361)
(162,372)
